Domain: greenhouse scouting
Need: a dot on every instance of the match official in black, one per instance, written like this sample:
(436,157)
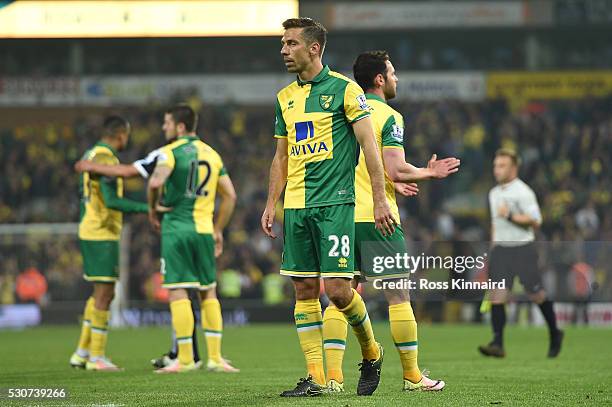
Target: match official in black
(515,214)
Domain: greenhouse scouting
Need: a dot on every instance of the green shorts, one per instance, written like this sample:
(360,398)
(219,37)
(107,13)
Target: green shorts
(100,260)
(188,260)
(318,242)
(370,243)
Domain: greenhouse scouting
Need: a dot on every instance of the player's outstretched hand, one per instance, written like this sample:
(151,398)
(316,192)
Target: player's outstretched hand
(218,236)
(267,220)
(443,168)
(407,189)
(154,220)
(82,166)
(383,219)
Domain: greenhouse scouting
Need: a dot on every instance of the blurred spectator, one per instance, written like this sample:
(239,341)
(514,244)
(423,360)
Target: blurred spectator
(587,220)
(31,286)
(580,283)
(153,288)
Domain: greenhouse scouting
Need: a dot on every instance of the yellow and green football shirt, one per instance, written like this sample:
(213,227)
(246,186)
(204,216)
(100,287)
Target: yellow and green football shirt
(98,221)
(191,188)
(389,131)
(316,118)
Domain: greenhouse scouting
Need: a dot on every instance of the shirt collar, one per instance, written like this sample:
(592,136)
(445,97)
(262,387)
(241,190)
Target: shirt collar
(375,97)
(509,184)
(320,76)
(103,144)
(188,137)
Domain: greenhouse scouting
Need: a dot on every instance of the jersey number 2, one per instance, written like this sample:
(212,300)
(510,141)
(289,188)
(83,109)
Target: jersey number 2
(192,178)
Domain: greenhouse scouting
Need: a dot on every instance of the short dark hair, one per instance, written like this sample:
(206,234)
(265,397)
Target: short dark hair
(113,125)
(368,65)
(506,152)
(183,113)
(313,31)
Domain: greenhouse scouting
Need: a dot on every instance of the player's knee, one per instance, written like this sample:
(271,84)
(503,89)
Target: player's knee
(103,302)
(108,296)
(396,296)
(306,288)
(339,294)
(103,295)
(209,294)
(538,297)
(498,296)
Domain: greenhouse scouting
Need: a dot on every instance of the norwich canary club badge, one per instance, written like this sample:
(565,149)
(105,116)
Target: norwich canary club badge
(326,101)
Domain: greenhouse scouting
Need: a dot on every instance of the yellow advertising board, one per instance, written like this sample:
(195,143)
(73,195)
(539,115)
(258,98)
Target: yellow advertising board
(524,86)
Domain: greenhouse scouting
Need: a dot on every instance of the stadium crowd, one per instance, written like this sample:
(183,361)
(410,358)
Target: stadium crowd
(565,146)
(414,51)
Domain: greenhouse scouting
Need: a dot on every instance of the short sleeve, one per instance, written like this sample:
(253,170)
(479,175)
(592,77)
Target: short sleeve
(218,163)
(355,103)
(492,208)
(392,133)
(102,158)
(530,206)
(280,128)
(146,166)
(165,158)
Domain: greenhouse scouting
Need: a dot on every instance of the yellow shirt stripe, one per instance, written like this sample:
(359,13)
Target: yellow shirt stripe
(388,129)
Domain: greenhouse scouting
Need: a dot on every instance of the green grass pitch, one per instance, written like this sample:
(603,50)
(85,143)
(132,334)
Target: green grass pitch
(271,361)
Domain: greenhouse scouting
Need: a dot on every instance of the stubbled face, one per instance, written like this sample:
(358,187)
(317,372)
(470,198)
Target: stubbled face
(504,170)
(390,87)
(169,127)
(124,138)
(296,53)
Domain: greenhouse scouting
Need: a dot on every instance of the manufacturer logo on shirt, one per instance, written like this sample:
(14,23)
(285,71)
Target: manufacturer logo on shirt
(363,103)
(326,101)
(290,105)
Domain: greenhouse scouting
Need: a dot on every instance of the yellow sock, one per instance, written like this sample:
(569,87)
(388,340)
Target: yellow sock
(334,342)
(357,316)
(404,333)
(212,323)
(309,321)
(85,338)
(182,322)
(99,333)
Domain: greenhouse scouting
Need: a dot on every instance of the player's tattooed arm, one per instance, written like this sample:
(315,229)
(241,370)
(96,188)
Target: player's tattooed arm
(401,171)
(117,170)
(278,179)
(154,190)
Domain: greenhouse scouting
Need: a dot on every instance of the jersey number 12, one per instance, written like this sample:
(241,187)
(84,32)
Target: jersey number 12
(193,189)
